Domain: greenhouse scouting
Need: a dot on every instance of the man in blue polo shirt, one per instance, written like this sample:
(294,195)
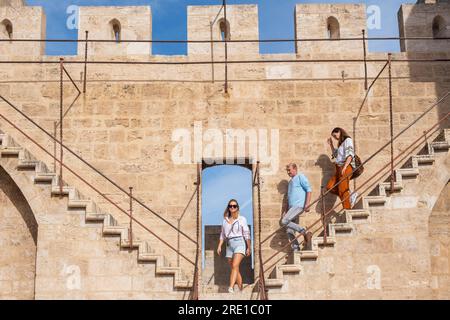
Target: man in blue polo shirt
(299,197)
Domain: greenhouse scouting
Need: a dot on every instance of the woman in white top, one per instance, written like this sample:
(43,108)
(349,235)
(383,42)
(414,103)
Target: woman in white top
(344,155)
(236,233)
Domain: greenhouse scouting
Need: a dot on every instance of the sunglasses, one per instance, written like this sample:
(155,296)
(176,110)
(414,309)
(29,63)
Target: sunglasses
(233,206)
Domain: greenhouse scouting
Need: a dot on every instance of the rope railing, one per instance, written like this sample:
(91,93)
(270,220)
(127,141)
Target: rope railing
(72,171)
(221,62)
(103,175)
(230,40)
(405,153)
(261,280)
(196,284)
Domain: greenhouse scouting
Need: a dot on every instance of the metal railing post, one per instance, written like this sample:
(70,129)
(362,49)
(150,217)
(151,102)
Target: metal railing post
(61,102)
(365,58)
(195,285)
(85,61)
(324,225)
(212,51)
(226,44)
(130,235)
(55,128)
(261,282)
(391,121)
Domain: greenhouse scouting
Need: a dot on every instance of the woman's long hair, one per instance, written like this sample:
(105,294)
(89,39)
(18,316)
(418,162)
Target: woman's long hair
(344,134)
(227,212)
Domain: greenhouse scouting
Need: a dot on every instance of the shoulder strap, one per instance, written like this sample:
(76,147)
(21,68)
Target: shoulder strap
(228,235)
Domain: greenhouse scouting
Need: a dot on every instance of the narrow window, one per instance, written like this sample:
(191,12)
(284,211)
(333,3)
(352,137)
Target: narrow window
(6,29)
(438,27)
(224,30)
(333,28)
(116,30)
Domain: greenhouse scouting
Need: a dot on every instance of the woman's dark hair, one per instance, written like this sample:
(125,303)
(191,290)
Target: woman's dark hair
(227,212)
(344,134)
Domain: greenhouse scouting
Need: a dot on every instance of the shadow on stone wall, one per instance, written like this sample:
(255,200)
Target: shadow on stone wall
(10,189)
(419,23)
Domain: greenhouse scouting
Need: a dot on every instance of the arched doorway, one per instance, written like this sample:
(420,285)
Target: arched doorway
(220,183)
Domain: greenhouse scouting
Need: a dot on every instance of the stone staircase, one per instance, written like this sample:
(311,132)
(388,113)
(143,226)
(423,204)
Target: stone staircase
(344,224)
(411,170)
(93,214)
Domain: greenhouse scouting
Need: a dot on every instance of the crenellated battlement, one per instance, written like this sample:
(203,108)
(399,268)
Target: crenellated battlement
(116,23)
(329,21)
(208,23)
(21,22)
(426,18)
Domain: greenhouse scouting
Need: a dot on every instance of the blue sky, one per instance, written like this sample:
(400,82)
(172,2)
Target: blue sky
(276,20)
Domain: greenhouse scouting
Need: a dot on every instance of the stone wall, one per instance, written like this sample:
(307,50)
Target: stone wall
(439,233)
(419,20)
(132,23)
(124,123)
(73,259)
(325,21)
(124,127)
(400,253)
(205,22)
(18,239)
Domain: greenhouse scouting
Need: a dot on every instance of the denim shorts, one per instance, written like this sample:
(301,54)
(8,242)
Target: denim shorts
(235,245)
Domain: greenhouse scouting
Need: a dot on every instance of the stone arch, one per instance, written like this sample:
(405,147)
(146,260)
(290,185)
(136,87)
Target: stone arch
(18,238)
(438,26)
(440,243)
(333,28)
(224,28)
(116,30)
(6,29)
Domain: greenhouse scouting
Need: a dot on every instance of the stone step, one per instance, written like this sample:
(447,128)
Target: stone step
(408,172)
(342,227)
(440,145)
(359,213)
(92,214)
(424,159)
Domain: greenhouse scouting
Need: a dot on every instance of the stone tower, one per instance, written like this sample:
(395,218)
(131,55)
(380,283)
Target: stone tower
(26,23)
(426,18)
(332,21)
(12,3)
(208,23)
(116,23)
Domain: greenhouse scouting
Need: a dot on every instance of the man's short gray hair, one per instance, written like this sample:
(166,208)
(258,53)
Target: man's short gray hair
(291,165)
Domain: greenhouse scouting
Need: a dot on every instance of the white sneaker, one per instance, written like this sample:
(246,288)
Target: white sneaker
(353,198)
(230,290)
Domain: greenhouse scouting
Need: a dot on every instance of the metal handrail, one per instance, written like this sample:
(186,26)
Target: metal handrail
(95,169)
(368,159)
(437,60)
(433,129)
(195,285)
(96,190)
(231,41)
(76,98)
